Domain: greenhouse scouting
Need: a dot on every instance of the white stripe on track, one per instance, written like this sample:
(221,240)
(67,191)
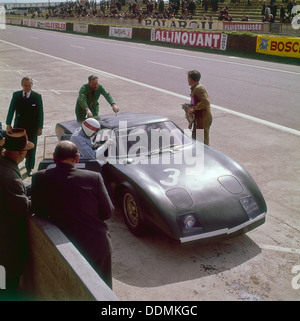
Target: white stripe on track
(94,70)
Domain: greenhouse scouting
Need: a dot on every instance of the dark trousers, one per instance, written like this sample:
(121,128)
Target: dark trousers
(30,156)
(103,268)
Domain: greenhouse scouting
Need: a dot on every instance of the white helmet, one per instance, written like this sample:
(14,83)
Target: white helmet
(90,126)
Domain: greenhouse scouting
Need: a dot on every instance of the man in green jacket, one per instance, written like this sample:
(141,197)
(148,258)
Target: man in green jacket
(87,102)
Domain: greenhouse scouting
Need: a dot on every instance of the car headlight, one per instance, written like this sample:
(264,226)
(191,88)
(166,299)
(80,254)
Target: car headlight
(250,206)
(189,223)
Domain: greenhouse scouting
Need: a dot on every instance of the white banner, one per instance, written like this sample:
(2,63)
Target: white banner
(14,21)
(120,32)
(80,27)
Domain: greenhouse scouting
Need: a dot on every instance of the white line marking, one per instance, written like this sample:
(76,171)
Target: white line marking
(279,248)
(165,65)
(34,37)
(180,52)
(258,120)
(67,91)
(255,119)
(77,47)
(55,91)
(222,61)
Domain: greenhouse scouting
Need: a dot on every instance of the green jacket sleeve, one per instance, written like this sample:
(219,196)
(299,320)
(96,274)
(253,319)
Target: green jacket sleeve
(41,111)
(107,95)
(82,97)
(11,110)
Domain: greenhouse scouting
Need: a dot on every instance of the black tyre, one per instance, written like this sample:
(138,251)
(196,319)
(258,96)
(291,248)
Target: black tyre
(132,212)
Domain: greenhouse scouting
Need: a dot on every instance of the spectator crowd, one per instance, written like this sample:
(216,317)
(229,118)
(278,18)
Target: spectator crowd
(183,9)
(270,11)
(158,9)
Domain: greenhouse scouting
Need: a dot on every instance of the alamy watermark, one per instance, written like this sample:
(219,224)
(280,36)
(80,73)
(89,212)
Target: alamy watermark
(2,17)
(142,145)
(2,278)
(296,279)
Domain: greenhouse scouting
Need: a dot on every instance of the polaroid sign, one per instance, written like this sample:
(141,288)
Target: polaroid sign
(2,278)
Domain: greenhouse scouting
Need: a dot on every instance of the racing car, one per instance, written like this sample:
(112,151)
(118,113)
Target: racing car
(162,178)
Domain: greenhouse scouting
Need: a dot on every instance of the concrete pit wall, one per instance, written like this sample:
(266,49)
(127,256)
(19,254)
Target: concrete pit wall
(56,270)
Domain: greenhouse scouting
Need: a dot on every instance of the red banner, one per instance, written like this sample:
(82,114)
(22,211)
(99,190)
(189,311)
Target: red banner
(190,38)
(45,24)
(51,25)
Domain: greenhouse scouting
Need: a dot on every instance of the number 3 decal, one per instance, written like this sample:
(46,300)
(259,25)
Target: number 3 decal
(172,178)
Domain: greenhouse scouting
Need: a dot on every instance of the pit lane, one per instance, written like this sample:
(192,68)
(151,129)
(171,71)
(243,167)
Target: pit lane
(261,265)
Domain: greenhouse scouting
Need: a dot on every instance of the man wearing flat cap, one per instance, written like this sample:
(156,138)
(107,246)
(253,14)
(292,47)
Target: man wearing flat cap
(14,206)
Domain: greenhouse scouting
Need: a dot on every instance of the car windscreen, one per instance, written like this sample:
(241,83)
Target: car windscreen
(149,138)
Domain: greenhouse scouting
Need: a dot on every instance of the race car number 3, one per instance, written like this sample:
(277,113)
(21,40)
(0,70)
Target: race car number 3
(172,178)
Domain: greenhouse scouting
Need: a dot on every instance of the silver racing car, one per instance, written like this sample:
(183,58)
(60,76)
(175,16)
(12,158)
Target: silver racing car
(162,178)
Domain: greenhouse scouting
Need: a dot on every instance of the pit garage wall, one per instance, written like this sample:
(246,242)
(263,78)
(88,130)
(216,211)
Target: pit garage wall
(56,270)
(167,30)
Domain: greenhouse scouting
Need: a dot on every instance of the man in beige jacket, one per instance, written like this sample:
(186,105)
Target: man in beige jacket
(200,105)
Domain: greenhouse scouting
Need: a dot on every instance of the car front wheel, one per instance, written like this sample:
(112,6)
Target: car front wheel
(132,212)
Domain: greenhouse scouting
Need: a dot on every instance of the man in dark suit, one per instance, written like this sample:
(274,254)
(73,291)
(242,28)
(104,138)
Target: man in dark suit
(76,201)
(27,106)
(14,206)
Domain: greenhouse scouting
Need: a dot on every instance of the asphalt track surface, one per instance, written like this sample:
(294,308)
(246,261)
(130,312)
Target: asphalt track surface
(256,122)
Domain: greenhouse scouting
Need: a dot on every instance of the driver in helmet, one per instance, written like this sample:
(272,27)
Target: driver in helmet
(84,136)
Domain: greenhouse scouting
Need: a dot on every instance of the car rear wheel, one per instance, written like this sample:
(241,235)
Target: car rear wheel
(132,212)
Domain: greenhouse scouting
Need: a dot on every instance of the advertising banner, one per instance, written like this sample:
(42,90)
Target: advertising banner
(14,21)
(278,46)
(51,25)
(190,38)
(80,27)
(187,24)
(30,23)
(120,32)
(243,26)
(45,24)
